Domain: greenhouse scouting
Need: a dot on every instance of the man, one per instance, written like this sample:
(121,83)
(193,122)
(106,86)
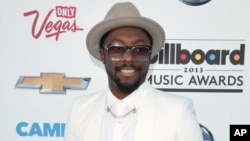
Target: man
(129,110)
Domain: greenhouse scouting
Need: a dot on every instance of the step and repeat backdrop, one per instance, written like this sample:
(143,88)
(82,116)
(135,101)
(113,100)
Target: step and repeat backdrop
(45,64)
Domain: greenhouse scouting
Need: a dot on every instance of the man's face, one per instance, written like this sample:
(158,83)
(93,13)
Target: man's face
(127,74)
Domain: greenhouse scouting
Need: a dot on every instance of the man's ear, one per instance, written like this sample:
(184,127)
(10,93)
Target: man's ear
(102,56)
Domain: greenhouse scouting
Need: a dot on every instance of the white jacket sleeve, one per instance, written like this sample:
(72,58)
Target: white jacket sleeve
(188,128)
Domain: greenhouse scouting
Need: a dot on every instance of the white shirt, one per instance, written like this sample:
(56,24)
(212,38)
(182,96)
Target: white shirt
(122,129)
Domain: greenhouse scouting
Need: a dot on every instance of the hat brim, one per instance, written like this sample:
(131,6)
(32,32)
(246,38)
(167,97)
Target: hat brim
(96,33)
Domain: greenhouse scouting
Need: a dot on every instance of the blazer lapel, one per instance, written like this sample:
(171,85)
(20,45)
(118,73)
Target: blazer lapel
(144,130)
(95,123)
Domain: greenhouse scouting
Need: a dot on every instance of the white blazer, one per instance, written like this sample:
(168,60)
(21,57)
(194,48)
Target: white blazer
(161,117)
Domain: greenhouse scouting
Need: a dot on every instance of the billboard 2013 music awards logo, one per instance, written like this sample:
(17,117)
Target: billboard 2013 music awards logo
(199,65)
(49,26)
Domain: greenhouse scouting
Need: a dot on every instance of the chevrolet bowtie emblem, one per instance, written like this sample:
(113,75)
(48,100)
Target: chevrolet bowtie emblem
(50,83)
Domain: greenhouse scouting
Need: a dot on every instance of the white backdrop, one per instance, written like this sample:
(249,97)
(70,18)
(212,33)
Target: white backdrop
(27,115)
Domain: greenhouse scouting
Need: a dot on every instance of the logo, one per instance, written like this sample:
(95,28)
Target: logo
(195,2)
(52,83)
(34,129)
(51,27)
(207,135)
(239,132)
(199,65)
(174,54)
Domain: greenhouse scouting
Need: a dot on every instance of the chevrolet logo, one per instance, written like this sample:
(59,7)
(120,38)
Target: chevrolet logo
(50,83)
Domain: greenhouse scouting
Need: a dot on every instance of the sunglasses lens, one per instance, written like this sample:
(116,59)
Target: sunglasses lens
(140,53)
(116,52)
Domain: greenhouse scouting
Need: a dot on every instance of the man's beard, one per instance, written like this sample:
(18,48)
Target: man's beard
(126,87)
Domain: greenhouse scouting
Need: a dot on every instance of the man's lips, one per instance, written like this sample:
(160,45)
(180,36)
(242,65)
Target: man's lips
(127,71)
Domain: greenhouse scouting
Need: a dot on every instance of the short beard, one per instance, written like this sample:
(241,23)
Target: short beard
(126,88)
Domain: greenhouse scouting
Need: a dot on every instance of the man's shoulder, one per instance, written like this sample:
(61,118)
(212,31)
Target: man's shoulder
(167,97)
(89,97)
(166,102)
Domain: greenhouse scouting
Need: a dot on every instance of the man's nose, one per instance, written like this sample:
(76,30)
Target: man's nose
(128,55)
